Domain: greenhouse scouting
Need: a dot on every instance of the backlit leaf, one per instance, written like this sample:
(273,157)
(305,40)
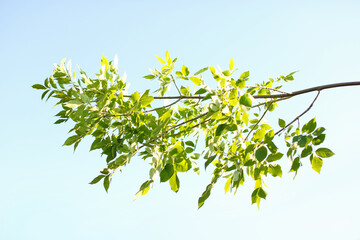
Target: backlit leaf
(316,163)
(201,71)
(195,80)
(185,70)
(174,183)
(324,152)
(231,64)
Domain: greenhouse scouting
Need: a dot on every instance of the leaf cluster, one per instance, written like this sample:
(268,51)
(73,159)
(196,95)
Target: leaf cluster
(239,144)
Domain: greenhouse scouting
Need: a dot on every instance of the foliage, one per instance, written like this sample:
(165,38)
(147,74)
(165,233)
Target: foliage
(227,120)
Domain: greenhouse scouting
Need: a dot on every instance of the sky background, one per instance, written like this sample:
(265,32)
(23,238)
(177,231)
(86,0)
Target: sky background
(44,187)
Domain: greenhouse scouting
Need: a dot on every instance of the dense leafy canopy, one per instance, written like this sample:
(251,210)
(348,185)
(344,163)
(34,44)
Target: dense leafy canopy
(227,122)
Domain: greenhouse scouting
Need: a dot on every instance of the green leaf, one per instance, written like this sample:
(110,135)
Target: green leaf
(282,123)
(295,165)
(71,140)
(316,163)
(107,182)
(300,140)
(210,160)
(38,86)
(52,82)
(97,179)
(226,73)
(261,153)
(174,183)
(228,185)
(205,195)
(183,166)
(149,76)
(274,157)
(262,193)
(318,131)
(240,83)
(201,71)
(44,94)
(257,194)
(310,126)
(145,101)
(275,170)
(324,152)
(220,129)
(195,80)
(166,173)
(200,91)
(319,139)
(190,143)
(307,151)
(244,75)
(144,189)
(185,70)
(231,64)
(246,101)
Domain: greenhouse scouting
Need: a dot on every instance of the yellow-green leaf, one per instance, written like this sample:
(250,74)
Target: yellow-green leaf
(195,80)
(316,163)
(231,64)
(160,60)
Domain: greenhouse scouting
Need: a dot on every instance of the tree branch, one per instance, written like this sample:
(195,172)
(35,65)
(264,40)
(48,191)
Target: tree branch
(307,90)
(297,118)
(172,77)
(284,95)
(273,89)
(173,97)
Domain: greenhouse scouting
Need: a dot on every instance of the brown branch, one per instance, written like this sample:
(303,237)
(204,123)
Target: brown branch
(298,117)
(307,90)
(173,97)
(285,95)
(264,87)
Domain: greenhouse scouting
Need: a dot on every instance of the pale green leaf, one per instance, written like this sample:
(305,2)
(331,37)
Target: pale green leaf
(316,163)
(174,183)
(231,64)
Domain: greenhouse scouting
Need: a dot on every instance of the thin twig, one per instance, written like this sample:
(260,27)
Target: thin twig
(297,118)
(277,100)
(172,77)
(206,120)
(172,97)
(166,106)
(264,87)
(151,110)
(178,125)
(267,109)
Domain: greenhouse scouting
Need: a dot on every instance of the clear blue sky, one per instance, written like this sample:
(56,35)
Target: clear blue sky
(44,187)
